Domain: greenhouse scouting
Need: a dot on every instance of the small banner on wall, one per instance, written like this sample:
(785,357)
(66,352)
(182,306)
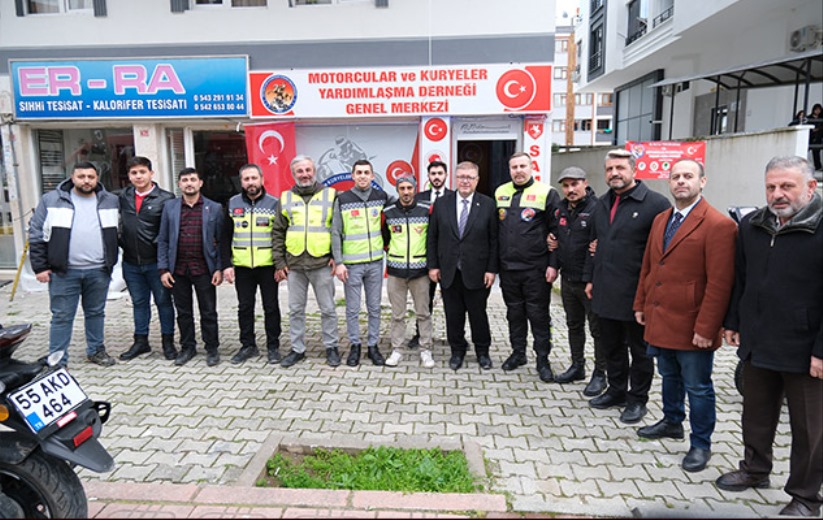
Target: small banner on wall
(271,146)
(655,158)
(536,144)
(435,145)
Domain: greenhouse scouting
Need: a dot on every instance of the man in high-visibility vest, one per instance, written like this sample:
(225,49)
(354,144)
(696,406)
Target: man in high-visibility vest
(301,241)
(248,243)
(357,247)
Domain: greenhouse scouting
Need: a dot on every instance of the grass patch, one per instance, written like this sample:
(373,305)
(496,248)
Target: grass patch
(375,469)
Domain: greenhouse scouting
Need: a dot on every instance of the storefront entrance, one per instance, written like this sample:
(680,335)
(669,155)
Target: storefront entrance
(493,159)
(218,157)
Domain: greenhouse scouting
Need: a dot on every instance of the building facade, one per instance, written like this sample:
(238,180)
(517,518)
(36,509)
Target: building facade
(187,82)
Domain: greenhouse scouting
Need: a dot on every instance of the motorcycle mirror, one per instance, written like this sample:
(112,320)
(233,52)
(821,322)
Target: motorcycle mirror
(55,358)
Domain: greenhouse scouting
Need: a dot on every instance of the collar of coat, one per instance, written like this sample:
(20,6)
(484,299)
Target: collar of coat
(807,219)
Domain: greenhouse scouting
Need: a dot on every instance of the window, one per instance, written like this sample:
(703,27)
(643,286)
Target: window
(561,72)
(583,99)
(564,45)
(558,125)
(109,149)
(595,5)
(294,3)
(582,125)
(638,22)
(604,100)
(604,126)
(559,99)
(596,49)
(230,3)
(58,6)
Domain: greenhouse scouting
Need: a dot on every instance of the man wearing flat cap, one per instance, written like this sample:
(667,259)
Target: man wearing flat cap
(573,216)
(405,230)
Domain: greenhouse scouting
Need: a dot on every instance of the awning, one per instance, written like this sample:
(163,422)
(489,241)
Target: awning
(788,70)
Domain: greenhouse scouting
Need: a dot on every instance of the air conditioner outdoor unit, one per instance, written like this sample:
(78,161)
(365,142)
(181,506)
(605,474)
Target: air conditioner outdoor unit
(805,38)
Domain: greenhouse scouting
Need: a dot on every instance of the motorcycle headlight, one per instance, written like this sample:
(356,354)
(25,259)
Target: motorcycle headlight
(4,412)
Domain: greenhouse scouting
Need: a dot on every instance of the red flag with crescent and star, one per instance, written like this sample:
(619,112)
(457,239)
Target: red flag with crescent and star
(271,146)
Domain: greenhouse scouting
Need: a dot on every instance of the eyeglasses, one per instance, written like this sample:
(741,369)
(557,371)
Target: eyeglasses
(466,178)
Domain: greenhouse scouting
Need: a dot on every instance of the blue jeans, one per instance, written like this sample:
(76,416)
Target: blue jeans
(689,372)
(143,281)
(65,291)
(368,276)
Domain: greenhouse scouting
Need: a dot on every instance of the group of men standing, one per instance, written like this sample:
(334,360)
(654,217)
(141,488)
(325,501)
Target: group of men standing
(651,280)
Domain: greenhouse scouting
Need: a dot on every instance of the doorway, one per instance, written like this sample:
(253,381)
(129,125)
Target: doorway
(218,157)
(493,159)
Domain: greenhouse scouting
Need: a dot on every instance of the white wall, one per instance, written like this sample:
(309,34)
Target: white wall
(767,108)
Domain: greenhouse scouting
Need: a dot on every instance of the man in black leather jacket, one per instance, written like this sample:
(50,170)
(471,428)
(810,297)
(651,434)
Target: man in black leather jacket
(141,206)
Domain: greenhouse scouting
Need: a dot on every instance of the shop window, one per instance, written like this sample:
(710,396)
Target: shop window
(109,149)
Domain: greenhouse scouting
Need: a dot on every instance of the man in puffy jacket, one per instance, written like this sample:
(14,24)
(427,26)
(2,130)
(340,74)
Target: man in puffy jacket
(141,206)
(73,241)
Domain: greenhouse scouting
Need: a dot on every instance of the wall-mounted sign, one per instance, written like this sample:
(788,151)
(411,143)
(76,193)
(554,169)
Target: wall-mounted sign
(130,88)
(655,158)
(402,91)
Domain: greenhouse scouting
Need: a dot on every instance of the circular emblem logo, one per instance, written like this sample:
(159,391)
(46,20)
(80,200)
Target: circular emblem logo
(397,169)
(501,214)
(516,89)
(435,129)
(527,215)
(278,94)
(435,155)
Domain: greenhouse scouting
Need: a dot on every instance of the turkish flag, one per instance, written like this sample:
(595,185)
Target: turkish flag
(271,146)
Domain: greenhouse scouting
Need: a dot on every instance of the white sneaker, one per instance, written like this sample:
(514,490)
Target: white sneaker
(394,359)
(427,359)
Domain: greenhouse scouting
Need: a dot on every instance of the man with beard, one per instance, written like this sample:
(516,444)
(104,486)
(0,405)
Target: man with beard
(438,172)
(621,227)
(188,257)
(302,255)
(73,240)
(776,321)
(574,216)
(247,243)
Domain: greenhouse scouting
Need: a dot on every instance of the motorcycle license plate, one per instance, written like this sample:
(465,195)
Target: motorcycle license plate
(47,399)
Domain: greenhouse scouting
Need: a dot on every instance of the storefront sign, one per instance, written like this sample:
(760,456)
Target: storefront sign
(536,144)
(655,158)
(407,91)
(142,88)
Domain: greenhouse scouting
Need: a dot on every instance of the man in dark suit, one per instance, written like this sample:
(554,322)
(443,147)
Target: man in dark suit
(437,180)
(462,257)
(188,258)
(621,227)
(684,290)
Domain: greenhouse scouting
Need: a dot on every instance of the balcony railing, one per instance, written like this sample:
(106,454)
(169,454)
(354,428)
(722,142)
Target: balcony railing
(662,17)
(636,35)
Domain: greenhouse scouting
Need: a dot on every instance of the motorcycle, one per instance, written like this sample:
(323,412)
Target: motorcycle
(51,427)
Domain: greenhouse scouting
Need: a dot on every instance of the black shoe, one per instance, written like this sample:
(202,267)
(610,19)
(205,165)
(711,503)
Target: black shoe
(696,460)
(573,373)
(332,357)
(184,357)
(354,356)
(798,508)
(274,356)
(661,429)
(245,352)
(544,370)
(140,346)
(484,361)
(169,351)
(213,359)
(607,400)
(741,480)
(633,413)
(517,359)
(102,359)
(456,362)
(375,356)
(292,358)
(414,342)
(597,384)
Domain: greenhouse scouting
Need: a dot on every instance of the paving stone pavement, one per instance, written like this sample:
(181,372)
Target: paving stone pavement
(546,450)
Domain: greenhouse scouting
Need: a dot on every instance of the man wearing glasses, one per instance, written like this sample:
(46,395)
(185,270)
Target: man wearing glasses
(462,257)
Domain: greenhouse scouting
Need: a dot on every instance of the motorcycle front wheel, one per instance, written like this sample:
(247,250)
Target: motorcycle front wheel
(44,487)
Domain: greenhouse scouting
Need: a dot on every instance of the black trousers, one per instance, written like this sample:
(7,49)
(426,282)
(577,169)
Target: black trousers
(459,301)
(246,282)
(578,309)
(206,293)
(763,392)
(619,339)
(527,296)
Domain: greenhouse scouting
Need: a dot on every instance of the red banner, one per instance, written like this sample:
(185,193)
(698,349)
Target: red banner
(655,158)
(271,146)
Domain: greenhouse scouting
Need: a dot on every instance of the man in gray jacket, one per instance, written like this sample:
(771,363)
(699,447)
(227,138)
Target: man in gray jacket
(76,265)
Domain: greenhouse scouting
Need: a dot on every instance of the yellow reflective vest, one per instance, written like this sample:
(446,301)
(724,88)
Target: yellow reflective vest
(362,240)
(309,224)
(252,221)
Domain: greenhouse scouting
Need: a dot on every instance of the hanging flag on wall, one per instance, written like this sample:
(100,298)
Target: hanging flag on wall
(271,146)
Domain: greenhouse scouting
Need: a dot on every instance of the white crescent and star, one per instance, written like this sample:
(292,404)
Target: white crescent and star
(262,139)
(507,88)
